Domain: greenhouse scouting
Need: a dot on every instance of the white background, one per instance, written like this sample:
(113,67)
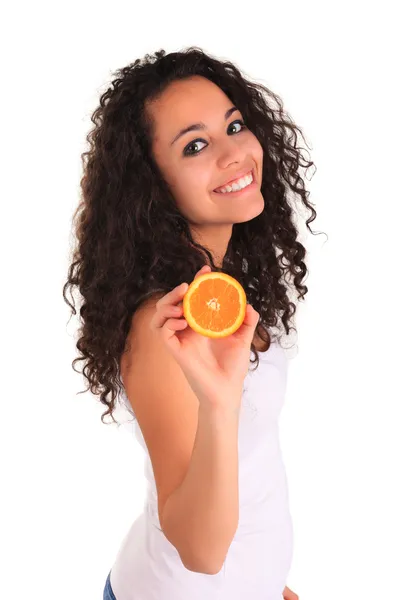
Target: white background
(71,485)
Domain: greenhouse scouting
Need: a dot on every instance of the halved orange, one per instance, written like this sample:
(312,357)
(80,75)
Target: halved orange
(215,305)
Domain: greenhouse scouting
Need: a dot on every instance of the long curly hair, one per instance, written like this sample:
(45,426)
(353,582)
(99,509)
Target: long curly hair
(132,242)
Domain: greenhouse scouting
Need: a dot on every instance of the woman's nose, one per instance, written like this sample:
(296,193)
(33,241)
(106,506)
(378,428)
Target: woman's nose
(230,151)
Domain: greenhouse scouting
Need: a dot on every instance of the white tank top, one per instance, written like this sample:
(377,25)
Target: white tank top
(148,566)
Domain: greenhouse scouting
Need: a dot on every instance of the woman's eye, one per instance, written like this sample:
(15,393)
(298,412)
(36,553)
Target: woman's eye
(239,122)
(194,143)
(187,151)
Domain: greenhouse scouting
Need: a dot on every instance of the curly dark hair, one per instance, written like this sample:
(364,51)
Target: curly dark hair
(133,242)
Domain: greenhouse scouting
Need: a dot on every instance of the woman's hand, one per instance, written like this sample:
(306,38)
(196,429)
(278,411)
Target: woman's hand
(214,368)
(289,595)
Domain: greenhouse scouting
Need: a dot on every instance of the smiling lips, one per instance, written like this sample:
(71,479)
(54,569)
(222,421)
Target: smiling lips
(236,184)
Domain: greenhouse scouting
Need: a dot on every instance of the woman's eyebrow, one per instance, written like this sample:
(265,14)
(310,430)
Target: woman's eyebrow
(200,125)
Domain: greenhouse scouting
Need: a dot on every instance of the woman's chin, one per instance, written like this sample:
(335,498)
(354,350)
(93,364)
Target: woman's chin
(250,211)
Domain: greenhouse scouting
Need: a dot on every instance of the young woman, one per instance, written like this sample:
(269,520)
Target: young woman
(172,133)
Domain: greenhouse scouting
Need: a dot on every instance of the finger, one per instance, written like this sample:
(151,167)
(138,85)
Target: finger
(251,317)
(174,296)
(247,328)
(165,312)
(204,269)
(288,594)
(169,330)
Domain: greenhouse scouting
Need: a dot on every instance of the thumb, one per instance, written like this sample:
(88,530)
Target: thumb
(247,328)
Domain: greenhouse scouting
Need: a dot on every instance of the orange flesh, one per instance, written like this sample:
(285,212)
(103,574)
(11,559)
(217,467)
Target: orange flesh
(214,292)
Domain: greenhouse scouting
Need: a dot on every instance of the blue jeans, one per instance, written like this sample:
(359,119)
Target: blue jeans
(108,593)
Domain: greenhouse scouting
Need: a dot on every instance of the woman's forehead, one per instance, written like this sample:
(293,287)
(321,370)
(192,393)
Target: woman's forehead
(187,103)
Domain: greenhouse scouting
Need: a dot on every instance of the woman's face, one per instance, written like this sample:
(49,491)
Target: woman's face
(197,162)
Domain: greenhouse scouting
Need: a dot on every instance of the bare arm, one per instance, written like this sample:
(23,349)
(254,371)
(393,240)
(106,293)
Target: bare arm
(201,516)
(186,394)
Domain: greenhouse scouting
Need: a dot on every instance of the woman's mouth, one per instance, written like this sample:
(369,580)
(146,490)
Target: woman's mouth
(239,186)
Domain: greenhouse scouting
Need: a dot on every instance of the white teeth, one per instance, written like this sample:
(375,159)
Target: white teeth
(238,185)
